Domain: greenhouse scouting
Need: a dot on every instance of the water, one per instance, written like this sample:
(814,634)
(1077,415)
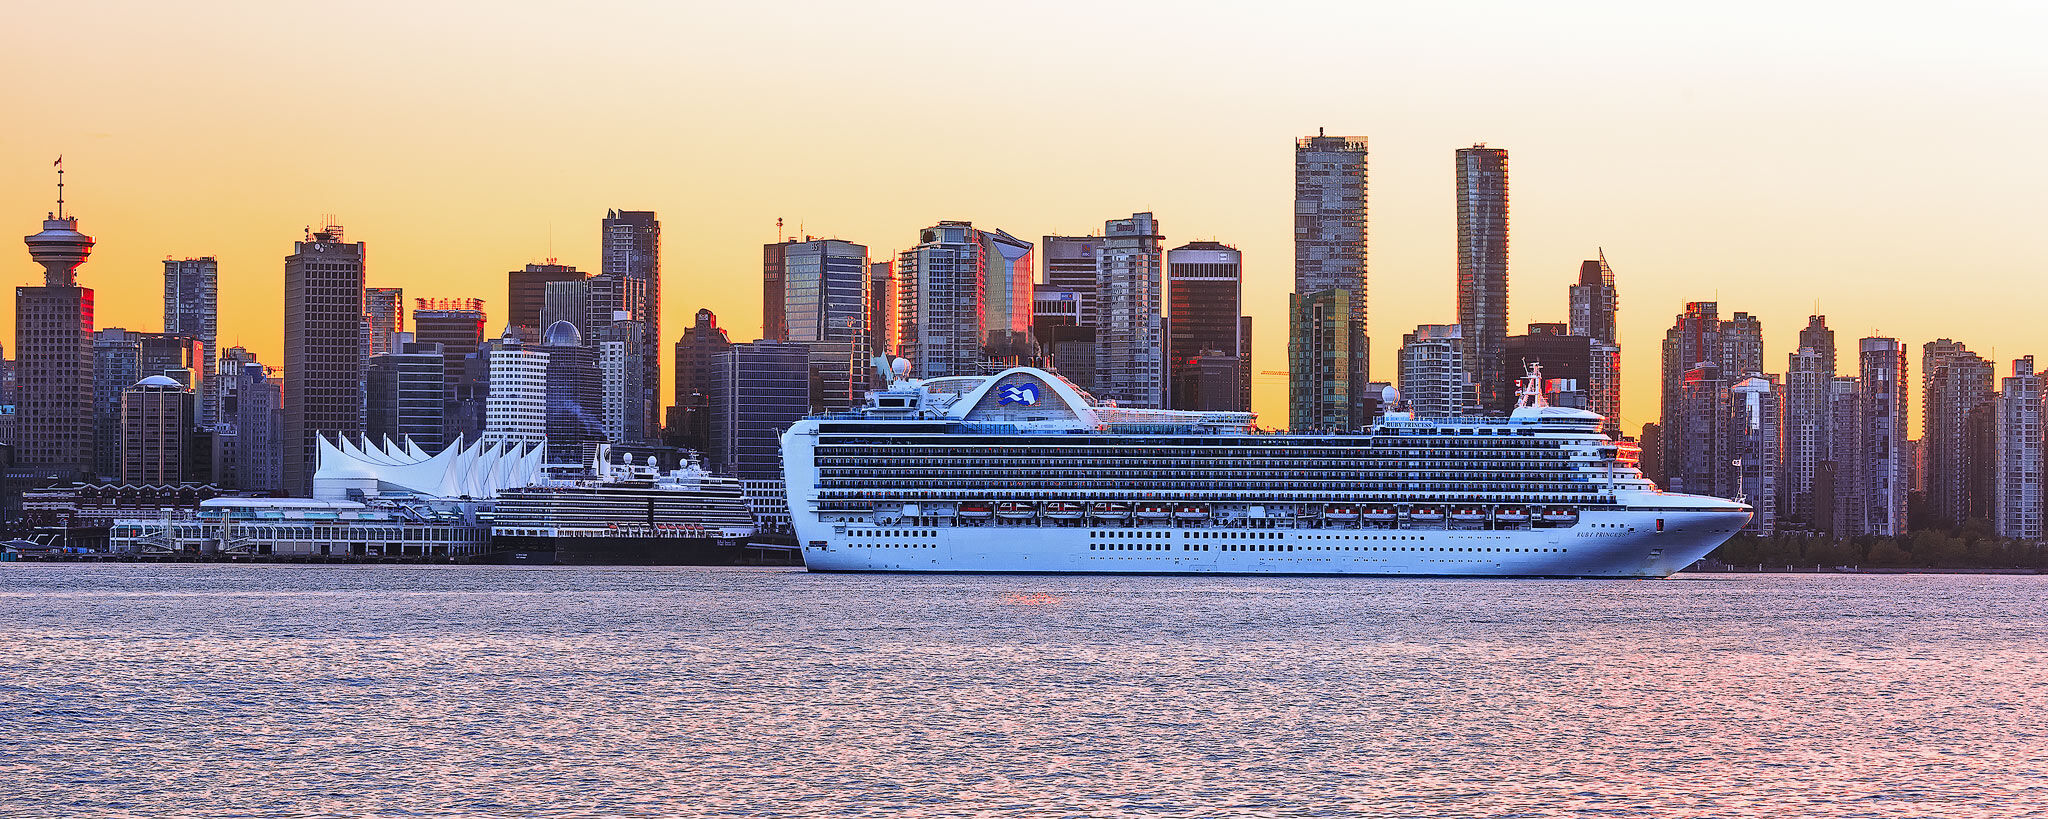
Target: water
(303,691)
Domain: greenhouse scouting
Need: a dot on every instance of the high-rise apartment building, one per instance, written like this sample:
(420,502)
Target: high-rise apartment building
(406,394)
(1320,394)
(1881,456)
(1696,434)
(1330,254)
(156,432)
(1594,303)
(1693,340)
(526,291)
(1755,448)
(632,249)
(1742,345)
(1955,383)
(1809,429)
(323,349)
(1838,498)
(882,307)
(383,319)
(1063,307)
(1130,351)
(1435,383)
(1482,188)
(53,351)
(964,301)
(1205,310)
(2021,493)
(774,291)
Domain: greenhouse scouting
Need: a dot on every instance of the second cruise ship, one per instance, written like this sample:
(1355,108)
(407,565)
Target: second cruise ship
(1024,472)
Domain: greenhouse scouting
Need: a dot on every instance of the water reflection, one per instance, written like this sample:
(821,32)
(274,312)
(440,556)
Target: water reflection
(295,691)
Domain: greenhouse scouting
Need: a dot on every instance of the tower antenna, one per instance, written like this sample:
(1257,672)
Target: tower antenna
(778,230)
(60,185)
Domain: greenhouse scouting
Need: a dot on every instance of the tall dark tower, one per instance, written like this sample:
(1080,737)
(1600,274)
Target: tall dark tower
(53,349)
(1483,272)
(323,349)
(631,245)
(1328,393)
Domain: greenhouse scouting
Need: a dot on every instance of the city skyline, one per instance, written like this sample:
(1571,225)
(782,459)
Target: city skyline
(1763,195)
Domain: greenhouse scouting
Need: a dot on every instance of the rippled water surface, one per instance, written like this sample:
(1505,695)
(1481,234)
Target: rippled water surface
(303,691)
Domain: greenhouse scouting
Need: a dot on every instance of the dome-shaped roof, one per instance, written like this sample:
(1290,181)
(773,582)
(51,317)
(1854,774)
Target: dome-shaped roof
(562,334)
(160,381)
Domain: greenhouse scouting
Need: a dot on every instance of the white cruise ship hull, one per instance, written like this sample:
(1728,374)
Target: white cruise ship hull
(1602,544)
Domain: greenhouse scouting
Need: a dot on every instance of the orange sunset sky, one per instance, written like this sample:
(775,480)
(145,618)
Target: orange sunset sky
(1879,159)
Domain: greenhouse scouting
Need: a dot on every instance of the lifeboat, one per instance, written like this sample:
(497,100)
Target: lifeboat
(976,509)
(1063,510)
(1340,512)
(1015,510)
(1110,511)
(1381,515)
(1468,516)
(1154,511)
(1191,511)
(1425,514)
(1560,516)
(1512,516)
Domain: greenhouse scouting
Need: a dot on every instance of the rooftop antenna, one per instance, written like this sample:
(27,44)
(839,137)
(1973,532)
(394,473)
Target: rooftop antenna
(60,185)
(551,241)
(778,230)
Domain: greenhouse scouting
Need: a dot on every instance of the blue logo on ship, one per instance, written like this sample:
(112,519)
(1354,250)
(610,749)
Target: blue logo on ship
(1019,394)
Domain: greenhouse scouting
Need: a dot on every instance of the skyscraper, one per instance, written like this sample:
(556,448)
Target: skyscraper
(1838,497)
(882,307)
(1330,254)
(1320,395)
(517,410)
(1070,267)
(251,428)
(1955,384)
(696,352)
(1482,174)
(383,319)
(192,308)
(1130,352)
(1594,302)
(526,290)
(774,291)
(632,248)
(618,360)
(1564,357)
(457,325)
(2022,456)
(1809,428)
(1205,305)
(405,393)
(1696,434)
(1434,381)
(156,431)
(825,308)
(964,301)
(53,350)
(575,395)
(116,366)
(1693,340)
(757,389)
(323,348)
(1755,448)
(1880,458)
(1742,345)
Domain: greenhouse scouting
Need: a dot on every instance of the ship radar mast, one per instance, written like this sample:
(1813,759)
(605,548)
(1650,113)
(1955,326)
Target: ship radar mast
(1531,394)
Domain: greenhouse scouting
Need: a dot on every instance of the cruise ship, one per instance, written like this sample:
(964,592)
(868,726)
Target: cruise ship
(1023,472)
(624,513)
